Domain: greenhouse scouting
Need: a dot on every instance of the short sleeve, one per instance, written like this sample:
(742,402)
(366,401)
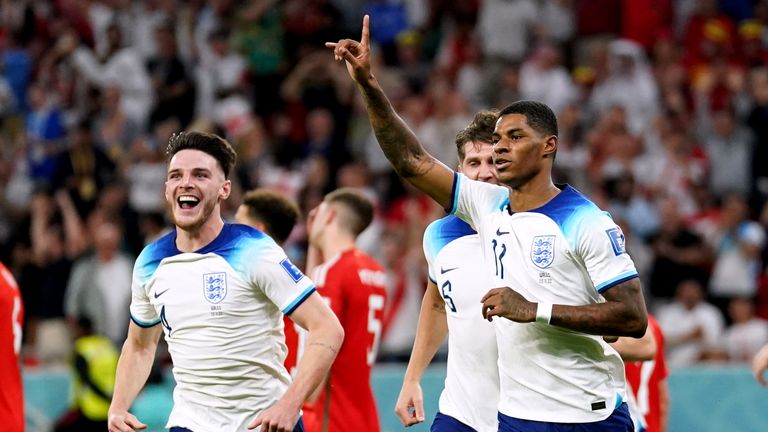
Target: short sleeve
(279,279)
(429,251)
(601,246)
(474,199)
(142,311)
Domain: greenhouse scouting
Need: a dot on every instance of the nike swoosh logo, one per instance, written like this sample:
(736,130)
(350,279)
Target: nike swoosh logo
(499,232)
(158,294)
(444,271)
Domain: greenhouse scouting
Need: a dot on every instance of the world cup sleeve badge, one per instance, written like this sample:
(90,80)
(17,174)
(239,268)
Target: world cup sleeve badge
(618,241)
(543,251)
(215,287)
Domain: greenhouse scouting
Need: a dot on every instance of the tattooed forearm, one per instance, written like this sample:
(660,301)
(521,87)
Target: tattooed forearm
(396,140)
(623,314)
(332,348)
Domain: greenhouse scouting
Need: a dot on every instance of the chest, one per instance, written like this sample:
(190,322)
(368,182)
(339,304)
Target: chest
(203,292)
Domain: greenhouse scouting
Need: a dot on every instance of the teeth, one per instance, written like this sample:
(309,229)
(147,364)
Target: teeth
(187,199)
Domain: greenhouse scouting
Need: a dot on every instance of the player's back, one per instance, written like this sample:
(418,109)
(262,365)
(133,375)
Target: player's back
(11,315)
(354,285)
(454,254)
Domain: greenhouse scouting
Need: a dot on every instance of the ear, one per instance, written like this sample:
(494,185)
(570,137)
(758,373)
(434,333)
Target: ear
(550,146)
(226,189)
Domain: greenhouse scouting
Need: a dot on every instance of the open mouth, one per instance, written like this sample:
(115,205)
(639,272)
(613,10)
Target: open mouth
(187,201)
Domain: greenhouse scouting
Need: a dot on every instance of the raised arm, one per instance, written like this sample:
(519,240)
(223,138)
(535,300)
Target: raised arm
(133,369)
(400,145)
(430,333)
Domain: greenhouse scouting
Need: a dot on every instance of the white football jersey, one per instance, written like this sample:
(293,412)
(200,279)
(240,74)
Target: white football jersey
(566,252)
(222,309)
(471,394)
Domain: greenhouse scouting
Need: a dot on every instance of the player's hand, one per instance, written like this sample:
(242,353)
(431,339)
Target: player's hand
(760,364)
(280,417)
(357,55)
(123,421)
(410,404)
(508,303)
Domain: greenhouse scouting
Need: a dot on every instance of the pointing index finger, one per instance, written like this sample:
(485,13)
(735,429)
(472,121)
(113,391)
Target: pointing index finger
(366,33)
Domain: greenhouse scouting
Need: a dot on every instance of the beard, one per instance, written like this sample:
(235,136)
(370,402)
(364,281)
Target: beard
(195,224)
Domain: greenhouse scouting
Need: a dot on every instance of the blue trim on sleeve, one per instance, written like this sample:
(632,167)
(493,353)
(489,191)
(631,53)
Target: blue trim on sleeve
(603,287)
(451,209)
(299,300)
(619,400)
(431,279)
(143,324)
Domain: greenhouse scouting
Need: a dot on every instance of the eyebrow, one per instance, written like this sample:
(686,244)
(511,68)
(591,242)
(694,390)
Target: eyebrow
(194,170)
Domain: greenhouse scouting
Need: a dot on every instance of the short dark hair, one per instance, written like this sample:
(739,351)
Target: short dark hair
(275,211)
(480,130)
(539,116)
(214,145)
(360,209)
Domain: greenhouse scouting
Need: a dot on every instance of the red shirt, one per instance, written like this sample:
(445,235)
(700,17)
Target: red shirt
(354,286)
(644,379)
(11,316)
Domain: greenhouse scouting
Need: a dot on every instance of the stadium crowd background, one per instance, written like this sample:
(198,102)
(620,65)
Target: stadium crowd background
(662,105)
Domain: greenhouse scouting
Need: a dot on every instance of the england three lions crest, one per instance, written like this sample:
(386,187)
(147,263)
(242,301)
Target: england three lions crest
(543,251)
(215,287)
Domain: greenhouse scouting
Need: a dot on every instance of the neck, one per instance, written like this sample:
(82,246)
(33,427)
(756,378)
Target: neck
(192,240)
(533,194)
(336,243)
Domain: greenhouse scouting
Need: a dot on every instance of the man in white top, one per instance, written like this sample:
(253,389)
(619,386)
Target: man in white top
(219,290)
(693,329)
(561,263)
(454,289)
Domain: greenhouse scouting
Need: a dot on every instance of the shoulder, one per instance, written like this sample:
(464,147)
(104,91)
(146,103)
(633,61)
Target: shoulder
(574,213)
(150,257)
(495,194)
(443,231)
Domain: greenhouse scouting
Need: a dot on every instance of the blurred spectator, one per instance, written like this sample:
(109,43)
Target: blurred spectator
(113,130)
(93,369)
(171,81)
(629,84)
(57,239)
(44,134)
(449,113)
(504,28)
(729,149)
(544,79)
(679,253)
(120,66)
(557,21)
(747,333)
(16,66)
(692,327)
(644,20)
(738,243)
(83,169)
(626,203)
(220,76)
(99,287)
(758,122)
(146,172)
(709,34)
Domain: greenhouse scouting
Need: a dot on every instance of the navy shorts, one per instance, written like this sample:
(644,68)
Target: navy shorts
(299,427)
(618,421)
(446,423)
